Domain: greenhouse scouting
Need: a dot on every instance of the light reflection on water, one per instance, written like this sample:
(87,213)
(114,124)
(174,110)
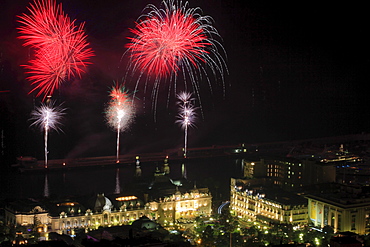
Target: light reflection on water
(103,179)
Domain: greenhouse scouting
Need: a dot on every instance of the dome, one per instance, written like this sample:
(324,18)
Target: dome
(102,203)
(108,204)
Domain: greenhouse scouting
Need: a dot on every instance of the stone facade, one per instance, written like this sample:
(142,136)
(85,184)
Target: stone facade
(67,217)
(252,203)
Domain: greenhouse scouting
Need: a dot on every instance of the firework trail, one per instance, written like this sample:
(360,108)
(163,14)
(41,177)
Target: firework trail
(186,116)
(175,39)
(120,111)
(47,117)
(61,50)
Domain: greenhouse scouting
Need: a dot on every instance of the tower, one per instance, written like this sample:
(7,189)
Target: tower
(183,171)
(138,168)
(166,167)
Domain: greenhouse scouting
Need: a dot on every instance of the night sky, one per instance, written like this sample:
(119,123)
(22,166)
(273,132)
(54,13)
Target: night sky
(294,72)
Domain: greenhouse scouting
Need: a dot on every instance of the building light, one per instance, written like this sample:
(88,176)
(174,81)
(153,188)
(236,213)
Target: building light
(126,198)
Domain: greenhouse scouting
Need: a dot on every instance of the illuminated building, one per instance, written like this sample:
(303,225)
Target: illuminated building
(66,217)
(251,203)
(182,207)
(118,210)
(290,173)
(27,213)
(172,203)
(345,208)
(165,201)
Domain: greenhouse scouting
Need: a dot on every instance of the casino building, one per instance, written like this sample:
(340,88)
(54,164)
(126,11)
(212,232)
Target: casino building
(163,200)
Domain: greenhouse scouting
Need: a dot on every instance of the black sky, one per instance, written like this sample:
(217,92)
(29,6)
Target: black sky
(295,71)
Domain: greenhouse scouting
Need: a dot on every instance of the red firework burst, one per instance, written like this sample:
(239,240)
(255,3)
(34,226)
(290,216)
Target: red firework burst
(61,48)
(120,110)
(161,44)
(170,38)
(119,94)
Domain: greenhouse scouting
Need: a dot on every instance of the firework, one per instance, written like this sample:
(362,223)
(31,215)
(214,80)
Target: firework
(47,117)
(61,50)
(119,112)
(186,116)
(172,39)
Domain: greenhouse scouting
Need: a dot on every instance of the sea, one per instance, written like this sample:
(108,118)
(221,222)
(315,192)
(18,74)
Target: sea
(212,172)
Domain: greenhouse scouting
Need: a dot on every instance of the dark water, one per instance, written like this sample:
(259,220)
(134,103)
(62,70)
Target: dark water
(213,172)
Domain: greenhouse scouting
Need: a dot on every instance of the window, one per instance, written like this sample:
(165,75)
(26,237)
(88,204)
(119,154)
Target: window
(353,222)
(332,222)
(339,222)
(367,222)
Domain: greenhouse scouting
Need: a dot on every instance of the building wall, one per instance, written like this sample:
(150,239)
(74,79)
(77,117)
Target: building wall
(166,211)
(354,218)
(90,221)
(26,218)
(290,173)
(253,207)
(29,218)
(180,207)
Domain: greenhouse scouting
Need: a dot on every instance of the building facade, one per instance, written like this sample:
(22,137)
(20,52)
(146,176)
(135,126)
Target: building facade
(165,201)
(291,173)
(69,216)
(347,209)
(182,207)
(252,203)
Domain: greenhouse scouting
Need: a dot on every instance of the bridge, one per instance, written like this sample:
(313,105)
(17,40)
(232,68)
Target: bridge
(31,163)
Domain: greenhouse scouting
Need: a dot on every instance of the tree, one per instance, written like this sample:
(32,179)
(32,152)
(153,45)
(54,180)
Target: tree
(228,222)
(328,232)
(35,226)
(208,238)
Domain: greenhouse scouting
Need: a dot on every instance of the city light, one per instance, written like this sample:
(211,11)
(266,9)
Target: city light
(126,198)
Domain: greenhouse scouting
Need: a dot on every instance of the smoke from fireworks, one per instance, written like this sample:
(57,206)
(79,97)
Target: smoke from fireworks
(186,116)
(120,111)
(61,51)
(47,117)
(172,39)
